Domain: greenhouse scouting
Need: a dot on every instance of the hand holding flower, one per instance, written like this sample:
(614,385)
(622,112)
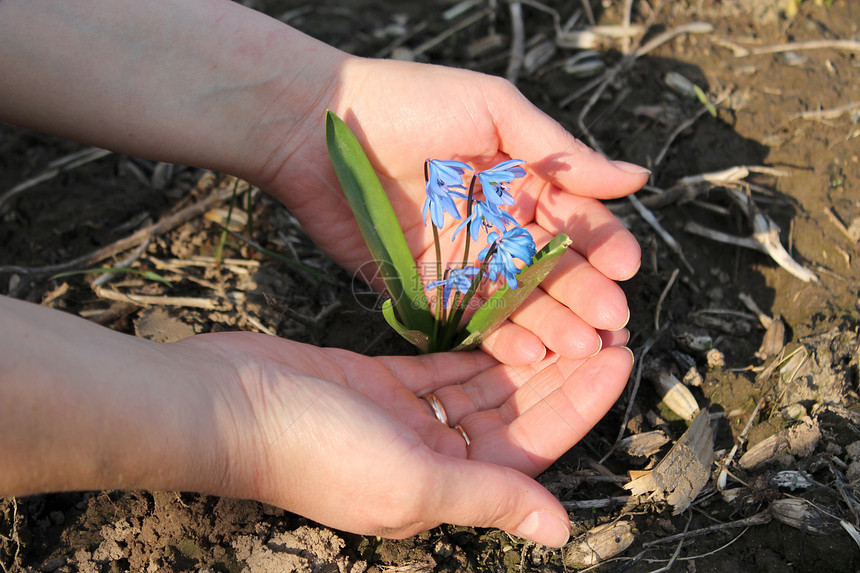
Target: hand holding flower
(481,121)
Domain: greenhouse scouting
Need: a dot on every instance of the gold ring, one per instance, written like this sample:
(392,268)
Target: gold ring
(437,408)
(463,433)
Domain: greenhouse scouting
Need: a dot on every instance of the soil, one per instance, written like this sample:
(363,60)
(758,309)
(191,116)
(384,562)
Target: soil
(686,305)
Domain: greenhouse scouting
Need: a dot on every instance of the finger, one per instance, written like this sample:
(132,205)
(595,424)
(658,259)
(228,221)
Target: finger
(618,337)
(487,390)
(514,344)
(593,297)
(561,330)
(529,134)
(480,494)
(597,300)
(594,231)
(546,422)
(426,373)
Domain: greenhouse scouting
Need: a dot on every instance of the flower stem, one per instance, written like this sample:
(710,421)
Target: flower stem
(468,214)
(459,308)
(458,298)
(438,260)
(440,309)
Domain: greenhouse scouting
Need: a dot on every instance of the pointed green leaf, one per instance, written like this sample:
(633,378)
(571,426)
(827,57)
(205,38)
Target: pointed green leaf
(419,339)
(506,300)
(378,224)
(149,275)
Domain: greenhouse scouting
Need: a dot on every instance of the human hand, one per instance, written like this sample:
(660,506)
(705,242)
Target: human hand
(254,106)
(342,438)
(335,436)
(404,113)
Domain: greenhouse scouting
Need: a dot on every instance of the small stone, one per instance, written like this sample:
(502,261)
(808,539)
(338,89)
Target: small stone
(693,378)
(833,448)
(853,450)
(716,359)
(794,412)
(853,471)
(443,549)
(52,564)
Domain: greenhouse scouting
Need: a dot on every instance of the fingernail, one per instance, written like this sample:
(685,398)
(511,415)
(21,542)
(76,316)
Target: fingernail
(631,167)
(544,528)
(599,346)
(632,356)
(626,320)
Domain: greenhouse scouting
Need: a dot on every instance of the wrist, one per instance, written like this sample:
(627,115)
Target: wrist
(206,83)
(84,407)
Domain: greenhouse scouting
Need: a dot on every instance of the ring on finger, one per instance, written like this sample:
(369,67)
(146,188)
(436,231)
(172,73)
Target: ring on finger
(436,407)
(463,433)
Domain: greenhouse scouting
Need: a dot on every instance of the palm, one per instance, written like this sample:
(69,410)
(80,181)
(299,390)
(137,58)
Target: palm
(342,438)
(438,113)
(522,417)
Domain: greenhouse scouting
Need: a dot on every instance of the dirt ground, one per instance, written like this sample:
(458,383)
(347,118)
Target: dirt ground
(789,113)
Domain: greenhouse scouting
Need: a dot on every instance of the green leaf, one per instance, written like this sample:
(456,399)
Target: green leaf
(378,224)
(223,241)
(506,300)
(149,275)
(275,255)
(417,338)
(702,97)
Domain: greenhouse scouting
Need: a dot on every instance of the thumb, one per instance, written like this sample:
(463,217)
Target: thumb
(481,494)
(527,133)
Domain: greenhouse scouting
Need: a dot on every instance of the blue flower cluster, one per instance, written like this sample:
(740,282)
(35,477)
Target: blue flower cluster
(442,179)
(515,243)
(461,279)
(509,241)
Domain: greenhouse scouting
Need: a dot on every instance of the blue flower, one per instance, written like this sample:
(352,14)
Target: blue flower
(491,215)
(495,179)
(443,176)
(515,243)
(461,279)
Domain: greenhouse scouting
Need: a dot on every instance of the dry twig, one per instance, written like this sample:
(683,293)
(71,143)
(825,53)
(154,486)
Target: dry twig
(155,300)
(589,14)
(637,378)
(677,552)
(164,225)
(596,503)
(518,42)
(852,531)
(649,218)
(123,264)
(16,557)
(461,25)
(748,301)
(723,477)
(831,113)
(63,164)
(849,45)
(662,298)
(828,211)
(602,82)
(683,126)
(760,518)
(764,238)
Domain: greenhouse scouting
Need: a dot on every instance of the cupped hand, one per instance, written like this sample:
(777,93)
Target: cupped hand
(405,113)
(343,438)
